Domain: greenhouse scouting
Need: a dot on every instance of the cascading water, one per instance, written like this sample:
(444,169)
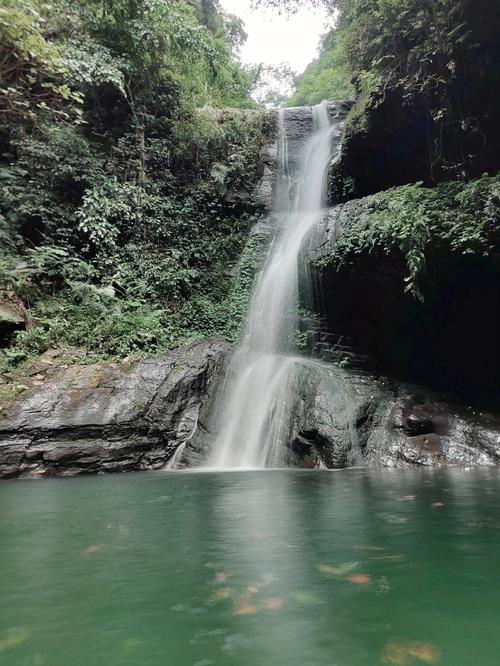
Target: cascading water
(260,390)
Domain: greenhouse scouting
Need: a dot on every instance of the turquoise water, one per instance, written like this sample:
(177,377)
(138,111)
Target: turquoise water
(351,568)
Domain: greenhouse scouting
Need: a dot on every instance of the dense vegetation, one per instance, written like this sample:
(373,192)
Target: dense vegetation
(327,77)
(127,183)
(423,224)
(426,75)
(123,204)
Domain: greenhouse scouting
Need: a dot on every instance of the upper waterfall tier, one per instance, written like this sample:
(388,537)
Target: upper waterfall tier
(297,128)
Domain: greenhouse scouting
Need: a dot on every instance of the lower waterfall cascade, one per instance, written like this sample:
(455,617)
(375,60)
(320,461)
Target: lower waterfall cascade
(254,405)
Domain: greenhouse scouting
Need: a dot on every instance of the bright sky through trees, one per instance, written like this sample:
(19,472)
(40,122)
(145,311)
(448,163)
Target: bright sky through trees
(275,38)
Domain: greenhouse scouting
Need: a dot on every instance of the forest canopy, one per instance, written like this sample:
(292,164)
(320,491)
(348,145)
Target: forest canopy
(116,226)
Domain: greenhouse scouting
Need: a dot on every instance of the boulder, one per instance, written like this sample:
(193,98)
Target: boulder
(109,418)
(347,418)
(344,418)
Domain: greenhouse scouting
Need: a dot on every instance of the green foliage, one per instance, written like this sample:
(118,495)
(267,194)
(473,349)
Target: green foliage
(327,77)
(434,60)
(126,196)
(238,300)
(32,66)
(273,84)
(421,222)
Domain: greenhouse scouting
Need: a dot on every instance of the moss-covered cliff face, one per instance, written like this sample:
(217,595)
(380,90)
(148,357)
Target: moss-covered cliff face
(411,277)
(427,107)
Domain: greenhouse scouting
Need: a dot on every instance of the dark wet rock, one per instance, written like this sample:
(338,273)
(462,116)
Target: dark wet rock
(109,418)
(449,341)
(355,419)
(343,418)
(269,160)
(396,136)
(11,320)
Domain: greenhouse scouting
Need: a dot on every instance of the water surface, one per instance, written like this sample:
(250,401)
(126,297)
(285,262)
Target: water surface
(278,568)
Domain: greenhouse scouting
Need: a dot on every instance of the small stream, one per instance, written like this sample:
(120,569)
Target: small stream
(263,568)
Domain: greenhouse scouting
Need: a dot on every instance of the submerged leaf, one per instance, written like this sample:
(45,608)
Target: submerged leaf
(246,609)
(395,653)
(359,579)
(426,652)
(393,519)
(340,570)
(306,598)
(403,653)
(14,637)
(273,604)
(221,594)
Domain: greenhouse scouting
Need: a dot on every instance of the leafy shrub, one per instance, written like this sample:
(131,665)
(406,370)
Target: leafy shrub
(419,222)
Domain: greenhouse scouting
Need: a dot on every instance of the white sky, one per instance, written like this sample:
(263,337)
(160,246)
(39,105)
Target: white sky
(275,38)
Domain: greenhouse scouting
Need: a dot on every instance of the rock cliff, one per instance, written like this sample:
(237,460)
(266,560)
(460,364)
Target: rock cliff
(109,418)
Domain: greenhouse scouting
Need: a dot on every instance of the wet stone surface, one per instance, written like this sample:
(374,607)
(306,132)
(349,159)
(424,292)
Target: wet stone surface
(101,418)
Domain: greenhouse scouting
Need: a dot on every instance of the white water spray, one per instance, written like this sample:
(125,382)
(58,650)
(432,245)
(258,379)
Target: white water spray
(260,390)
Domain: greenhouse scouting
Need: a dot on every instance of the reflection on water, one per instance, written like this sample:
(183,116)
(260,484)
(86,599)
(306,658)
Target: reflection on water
(350,568)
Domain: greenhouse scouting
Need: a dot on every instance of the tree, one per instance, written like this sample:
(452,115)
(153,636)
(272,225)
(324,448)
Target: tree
(326,77)
(273,84)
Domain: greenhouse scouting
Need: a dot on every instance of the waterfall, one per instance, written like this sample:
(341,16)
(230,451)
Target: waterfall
(260,390)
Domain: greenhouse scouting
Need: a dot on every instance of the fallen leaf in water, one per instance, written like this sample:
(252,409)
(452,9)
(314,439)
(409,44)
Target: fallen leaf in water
(392,519)
(368,548)
(402,653)
(395,653)
(221,577)
(426,652)
(221,595)
(246,609)
(388,557)
(436,505)
(359,579)
(273,604)
(340,570)
(253,589)
(12,638)
(94,548)
(306,598)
